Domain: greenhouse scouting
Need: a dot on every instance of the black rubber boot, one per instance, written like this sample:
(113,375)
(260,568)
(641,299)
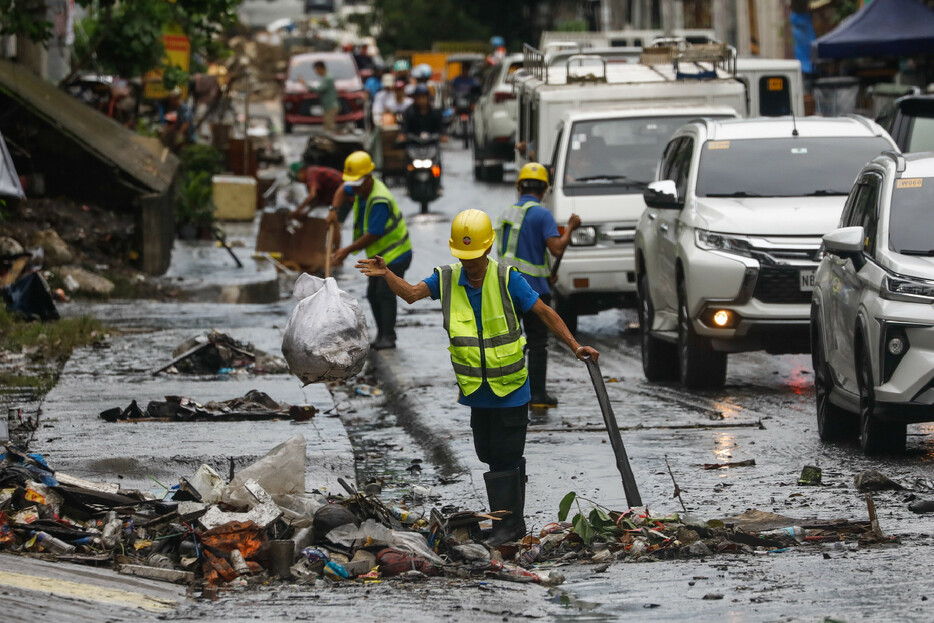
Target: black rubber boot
(385,313)
(538,373)
(505,492)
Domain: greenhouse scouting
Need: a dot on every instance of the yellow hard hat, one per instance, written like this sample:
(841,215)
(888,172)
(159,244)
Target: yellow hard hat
(533,171)
(471,234)
(357,166)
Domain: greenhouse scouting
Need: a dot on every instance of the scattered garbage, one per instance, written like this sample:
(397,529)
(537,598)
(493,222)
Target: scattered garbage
(922,506)
(871,480)
(810,476)
(747,463)
(214,352)
(253,406)
(326,337)
(30,297)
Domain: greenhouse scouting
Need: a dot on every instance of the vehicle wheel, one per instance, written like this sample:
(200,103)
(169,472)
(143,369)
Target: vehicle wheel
(833,423)
(875,436)
(568,312)
(659,358)
(495,173)
(424,207)
(699,367)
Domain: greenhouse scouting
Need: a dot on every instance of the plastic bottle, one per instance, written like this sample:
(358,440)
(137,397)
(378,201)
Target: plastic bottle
(528,557)
(337,570)
(794,532)
(111,530)
(50,544)
(160,561)
(404,515)
(238,562)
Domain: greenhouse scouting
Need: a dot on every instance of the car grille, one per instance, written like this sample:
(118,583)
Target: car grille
(305,106)
(780,285)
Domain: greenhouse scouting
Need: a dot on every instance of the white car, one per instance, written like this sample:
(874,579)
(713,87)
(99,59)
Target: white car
(727,248)
(494,121)
(873,308)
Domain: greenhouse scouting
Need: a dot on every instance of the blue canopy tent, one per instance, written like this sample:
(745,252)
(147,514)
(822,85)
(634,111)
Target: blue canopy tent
(881,28)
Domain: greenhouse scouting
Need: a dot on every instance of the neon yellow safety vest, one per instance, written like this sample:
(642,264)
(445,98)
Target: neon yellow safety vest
(395,240)
(513,216)
(501,361)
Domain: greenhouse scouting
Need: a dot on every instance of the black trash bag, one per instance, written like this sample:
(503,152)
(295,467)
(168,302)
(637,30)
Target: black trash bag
(30,297)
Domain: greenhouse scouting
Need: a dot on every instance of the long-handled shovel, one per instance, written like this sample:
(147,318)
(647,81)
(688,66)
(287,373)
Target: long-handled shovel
(612,428)
(328,244)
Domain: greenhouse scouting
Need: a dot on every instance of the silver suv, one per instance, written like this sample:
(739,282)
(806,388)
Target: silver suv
(872,315)
(727,248)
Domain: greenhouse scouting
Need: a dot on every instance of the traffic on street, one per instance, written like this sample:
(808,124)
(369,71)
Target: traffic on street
(593,312)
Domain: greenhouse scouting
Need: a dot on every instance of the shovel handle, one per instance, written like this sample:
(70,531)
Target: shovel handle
(328,243)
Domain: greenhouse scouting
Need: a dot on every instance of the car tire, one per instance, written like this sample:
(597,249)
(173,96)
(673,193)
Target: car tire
(565,307)
(875,436)
(698,367)
(479,171)
(659,358)
(494,173)
(833,423)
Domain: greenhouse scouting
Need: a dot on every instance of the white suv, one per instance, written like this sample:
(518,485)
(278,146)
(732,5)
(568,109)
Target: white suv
(494,121)
(727,248)
(873,308)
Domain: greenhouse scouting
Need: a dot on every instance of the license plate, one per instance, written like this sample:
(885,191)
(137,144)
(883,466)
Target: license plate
(422,176)
(807,280)
(317,111)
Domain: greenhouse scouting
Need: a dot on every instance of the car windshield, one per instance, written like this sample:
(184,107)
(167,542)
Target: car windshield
(784,167)
(618,152)
(912,204)
(339,68)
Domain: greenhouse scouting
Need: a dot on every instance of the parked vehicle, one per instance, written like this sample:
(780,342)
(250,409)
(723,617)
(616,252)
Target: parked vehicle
(727,249)
(617,118)
(872,315)
(775,86)
(601,164)
(423,165)
(910,121)
(300,106)
(494,121)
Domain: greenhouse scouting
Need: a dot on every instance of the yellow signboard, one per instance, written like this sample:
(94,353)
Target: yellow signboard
(776,84)
(177,54)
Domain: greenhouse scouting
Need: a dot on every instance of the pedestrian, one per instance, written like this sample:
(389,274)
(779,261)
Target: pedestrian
(322,184)
(179,129)
(327,96)
(379,229)
(527,231)
(480,304)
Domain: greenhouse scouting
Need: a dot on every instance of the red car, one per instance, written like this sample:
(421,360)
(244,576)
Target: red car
(300,106)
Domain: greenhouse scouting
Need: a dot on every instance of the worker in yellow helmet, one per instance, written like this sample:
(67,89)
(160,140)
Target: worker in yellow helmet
(528,232)
(379,229)
(481,302)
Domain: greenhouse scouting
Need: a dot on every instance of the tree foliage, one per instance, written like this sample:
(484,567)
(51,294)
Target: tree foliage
(416,24)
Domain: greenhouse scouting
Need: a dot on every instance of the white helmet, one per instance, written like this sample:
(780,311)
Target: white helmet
(422,72)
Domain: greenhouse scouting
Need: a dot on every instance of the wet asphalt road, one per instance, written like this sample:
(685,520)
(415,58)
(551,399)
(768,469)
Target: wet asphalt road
(766,413)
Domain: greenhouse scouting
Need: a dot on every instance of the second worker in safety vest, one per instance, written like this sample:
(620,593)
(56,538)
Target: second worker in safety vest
(481,302)
(527,233)
(380,230)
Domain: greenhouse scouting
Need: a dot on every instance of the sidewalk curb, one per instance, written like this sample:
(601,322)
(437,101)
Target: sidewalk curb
(410,411)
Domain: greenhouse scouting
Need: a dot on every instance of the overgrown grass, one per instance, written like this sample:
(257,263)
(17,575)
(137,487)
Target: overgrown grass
(48,346)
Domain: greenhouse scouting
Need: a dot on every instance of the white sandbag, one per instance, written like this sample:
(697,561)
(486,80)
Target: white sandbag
(326,338)
(281,471)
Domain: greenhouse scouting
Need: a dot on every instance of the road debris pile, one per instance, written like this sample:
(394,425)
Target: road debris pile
(213,352)
(603,535)
(259,527)
(326,338)
(254,405)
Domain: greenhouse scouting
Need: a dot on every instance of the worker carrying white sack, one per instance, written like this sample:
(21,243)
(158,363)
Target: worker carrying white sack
(326,338)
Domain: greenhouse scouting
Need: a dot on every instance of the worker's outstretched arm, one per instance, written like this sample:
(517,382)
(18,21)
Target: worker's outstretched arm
(408,292)
(554,323)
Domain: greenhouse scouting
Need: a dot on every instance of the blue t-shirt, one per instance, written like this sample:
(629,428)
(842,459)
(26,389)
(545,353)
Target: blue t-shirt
(523,297)
(537,227)
(379,215)
(373,85)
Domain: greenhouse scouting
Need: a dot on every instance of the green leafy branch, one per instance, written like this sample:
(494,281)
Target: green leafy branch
(597,523)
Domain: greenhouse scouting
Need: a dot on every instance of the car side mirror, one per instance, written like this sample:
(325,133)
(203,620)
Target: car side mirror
(662,195)
(846,243)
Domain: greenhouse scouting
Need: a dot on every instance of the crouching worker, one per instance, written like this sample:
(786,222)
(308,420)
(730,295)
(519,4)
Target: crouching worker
(481,303)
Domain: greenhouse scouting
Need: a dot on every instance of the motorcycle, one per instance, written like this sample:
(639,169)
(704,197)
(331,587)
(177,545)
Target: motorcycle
(423,169)
(463,111)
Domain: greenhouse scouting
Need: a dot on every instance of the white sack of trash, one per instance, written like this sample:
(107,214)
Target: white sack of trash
(326,338)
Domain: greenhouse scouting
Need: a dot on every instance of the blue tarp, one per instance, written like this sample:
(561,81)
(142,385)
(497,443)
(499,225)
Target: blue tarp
(881,28)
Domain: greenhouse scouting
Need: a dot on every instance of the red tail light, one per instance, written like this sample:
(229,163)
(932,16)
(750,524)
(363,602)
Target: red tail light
(499,98)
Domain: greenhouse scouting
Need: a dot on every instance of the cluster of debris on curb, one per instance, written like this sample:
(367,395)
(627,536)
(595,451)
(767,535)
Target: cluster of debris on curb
(263,526)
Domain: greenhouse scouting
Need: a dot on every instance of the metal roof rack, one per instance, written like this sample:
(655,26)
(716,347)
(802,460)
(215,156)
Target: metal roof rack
(533,61)
(584,77)
(897,157)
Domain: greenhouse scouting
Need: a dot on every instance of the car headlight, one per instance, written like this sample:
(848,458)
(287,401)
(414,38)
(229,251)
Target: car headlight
(907,290)
(584,237)
(712,241)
